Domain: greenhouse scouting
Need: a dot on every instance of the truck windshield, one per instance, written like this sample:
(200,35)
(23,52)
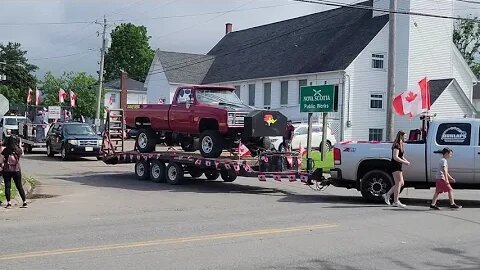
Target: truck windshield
(226,97)
(79,130)
(13,121)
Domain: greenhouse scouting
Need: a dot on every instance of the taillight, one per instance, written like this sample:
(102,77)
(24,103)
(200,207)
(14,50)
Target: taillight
(337,156)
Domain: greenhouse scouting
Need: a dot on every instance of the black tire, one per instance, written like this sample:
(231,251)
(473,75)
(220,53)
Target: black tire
(328,145)
(142,170)
(64,153)
(157,171)
(189,144)
(281,147)
(211,144)
(195,172)
(174,174)
(212,175)
(27,149)
(145,141)
(228,175)
(99,158)
(374,184)
(50,152)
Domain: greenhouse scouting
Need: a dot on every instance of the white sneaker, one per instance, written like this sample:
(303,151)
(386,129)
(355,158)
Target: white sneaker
(399,204)
(387,199)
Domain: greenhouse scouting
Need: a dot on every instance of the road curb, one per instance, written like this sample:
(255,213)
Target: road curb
(28,186)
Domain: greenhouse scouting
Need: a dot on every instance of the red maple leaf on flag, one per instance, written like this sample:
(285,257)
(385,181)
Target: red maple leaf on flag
(411,97)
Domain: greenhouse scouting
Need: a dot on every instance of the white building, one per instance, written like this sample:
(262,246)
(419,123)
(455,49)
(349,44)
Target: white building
(136,93)
(345,47)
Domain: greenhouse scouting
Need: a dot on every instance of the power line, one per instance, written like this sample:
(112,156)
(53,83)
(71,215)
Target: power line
(338,4)
(143,19)
(63,56)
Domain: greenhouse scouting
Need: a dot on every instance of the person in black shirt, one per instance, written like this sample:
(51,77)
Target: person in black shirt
(398,160)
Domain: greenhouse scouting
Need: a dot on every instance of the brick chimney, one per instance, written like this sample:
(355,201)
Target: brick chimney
(228,28)
(123,90)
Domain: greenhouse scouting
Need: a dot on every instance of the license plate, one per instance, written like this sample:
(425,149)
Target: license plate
(88,149)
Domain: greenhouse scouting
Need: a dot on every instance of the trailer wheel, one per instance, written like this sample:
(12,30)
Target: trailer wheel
(146,141)
(374,184)
(142,170)
(174,174)
(211,144)
(195,172)
(157,171)
(228,175)
(212,175)
(50,152)
(27,149)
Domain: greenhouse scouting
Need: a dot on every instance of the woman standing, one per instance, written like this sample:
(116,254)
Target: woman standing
(398,160)
(11,170)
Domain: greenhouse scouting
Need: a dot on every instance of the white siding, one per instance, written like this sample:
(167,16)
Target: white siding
(133,97)
(461,73)
(157,84)
(476,104)
(450,105)
(363,81)
(430,52)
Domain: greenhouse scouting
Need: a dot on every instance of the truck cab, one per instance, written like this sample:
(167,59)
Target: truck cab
(9,124)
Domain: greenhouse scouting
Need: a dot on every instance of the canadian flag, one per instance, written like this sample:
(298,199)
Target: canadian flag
(302,151)
(413,102)
(29,96)
(243,150)
(110,100)
(61,95)
(73,99)
(37,97)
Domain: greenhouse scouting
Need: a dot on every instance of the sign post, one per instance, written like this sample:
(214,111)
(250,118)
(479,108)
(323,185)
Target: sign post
(316,99)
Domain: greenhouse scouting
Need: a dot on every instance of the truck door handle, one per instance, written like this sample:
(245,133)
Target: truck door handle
(439,152)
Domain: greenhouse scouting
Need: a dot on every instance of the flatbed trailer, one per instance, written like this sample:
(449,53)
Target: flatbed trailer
(26,137)
(172,166)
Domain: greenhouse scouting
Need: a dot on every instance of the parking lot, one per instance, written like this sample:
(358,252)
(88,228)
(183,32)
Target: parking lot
(88,215)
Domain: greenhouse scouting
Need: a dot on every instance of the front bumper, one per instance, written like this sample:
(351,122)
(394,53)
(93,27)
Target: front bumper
(84,151)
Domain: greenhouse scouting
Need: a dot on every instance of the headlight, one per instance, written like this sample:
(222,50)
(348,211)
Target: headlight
(73,142)
(99,142)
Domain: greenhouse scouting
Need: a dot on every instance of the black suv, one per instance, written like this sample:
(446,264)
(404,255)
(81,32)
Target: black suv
(73,139)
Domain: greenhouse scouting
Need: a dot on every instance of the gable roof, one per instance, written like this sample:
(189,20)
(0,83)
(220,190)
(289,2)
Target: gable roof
(185,68)
(131,85)
(320,42)
(437,87)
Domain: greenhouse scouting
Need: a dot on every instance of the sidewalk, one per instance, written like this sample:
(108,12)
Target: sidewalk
(28,186)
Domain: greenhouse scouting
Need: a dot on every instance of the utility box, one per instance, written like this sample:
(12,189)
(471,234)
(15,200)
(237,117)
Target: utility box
(262,123)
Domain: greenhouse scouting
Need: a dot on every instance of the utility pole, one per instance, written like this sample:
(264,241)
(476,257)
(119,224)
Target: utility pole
(100,74)
(391,70)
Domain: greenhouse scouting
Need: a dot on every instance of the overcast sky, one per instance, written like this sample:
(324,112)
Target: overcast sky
(48,44)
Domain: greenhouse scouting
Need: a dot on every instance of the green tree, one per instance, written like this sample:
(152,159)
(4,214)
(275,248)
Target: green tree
(466,37)
(19,72)
(129,51)
(82,84)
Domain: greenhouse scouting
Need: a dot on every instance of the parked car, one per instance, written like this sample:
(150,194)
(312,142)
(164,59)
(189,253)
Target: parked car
(73,139)
(10,123)
(300,138)
(201,117)
(366,166)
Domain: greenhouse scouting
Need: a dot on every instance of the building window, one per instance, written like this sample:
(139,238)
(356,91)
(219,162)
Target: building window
(335,98)
(267,94)
(378,61)
(284,93)
(300,84)
(376,101)
(375,134)
(251,94)
(237,90)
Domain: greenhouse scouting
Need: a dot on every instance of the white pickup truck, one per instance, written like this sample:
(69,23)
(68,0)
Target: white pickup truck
(366,166)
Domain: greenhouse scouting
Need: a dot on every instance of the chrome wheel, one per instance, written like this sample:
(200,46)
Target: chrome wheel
(156,171)
(142,140)
(377,185)
(140,169)
(207,144)
(172,172)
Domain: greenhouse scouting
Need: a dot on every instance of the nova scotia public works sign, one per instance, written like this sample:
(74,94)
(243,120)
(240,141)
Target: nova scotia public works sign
(317,98)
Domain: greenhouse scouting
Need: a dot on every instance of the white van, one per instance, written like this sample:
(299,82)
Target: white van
(10,123)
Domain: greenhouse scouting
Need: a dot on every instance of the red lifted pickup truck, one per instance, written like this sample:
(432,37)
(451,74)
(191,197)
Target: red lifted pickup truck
(201,117)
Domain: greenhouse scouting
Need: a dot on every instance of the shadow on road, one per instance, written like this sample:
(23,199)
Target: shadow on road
(56,158)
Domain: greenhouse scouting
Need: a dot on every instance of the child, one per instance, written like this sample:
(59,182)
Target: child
(442,181)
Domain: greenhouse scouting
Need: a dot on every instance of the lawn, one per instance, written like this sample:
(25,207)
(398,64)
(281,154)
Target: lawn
(326,165)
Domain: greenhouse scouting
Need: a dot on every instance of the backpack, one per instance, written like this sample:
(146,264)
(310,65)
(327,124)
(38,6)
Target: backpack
(12,164)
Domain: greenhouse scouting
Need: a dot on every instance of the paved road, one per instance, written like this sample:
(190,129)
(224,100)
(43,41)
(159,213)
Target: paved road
(94,216)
